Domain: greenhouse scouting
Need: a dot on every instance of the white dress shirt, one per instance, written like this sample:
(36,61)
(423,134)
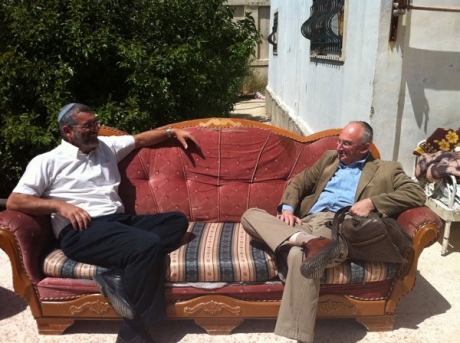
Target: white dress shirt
(89,181)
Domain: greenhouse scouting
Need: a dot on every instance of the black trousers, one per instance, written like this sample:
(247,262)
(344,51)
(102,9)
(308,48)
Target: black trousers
(135,244)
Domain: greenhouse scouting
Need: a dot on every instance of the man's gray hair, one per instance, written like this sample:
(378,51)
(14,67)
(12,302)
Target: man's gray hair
(368,135)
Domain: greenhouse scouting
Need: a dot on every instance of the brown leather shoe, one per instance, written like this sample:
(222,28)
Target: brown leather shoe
(318,252)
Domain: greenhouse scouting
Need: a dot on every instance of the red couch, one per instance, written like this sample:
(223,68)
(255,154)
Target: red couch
(219,277)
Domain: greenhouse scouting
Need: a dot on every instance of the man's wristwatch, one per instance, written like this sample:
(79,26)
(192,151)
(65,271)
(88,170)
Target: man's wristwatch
(168,132)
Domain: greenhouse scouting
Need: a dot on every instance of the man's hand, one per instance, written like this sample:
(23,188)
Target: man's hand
(156,136)
(362,208)
(79,218)
(289,218)
(182,136)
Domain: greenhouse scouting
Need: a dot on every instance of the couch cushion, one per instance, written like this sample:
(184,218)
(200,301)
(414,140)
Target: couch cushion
(56,264)
(352,272)
(210,252)
(223,252)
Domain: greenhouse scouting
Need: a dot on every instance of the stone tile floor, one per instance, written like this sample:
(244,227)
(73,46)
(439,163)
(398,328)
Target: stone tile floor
(429,314)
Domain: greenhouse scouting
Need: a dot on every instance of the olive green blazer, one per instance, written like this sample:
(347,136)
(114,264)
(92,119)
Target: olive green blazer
(384,182)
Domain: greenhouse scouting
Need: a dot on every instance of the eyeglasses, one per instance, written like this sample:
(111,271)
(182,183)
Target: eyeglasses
(346,144)
(89,126)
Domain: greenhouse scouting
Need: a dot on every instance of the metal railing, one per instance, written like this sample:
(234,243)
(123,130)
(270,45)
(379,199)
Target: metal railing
(402,6)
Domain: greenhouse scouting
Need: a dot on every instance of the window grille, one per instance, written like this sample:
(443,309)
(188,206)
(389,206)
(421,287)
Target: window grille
(273,37)
(324,29)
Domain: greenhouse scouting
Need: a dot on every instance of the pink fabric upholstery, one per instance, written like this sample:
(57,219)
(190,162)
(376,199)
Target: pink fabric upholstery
(33,235)
(237,168)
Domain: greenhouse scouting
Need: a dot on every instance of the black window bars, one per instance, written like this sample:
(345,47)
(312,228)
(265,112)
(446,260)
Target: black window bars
(273,36)
(324,29)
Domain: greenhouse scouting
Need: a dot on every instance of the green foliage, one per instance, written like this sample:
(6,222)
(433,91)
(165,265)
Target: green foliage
(138,64)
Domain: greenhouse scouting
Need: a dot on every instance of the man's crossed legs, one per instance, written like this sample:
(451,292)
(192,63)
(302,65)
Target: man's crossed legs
(297,315)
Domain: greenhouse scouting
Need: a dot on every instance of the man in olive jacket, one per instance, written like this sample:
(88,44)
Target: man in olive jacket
(348,176)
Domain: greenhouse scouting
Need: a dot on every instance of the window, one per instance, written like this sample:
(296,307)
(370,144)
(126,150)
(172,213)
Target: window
(273,36)
(325,28)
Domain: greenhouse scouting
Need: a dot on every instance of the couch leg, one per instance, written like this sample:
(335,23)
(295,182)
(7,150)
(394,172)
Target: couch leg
(377,323)
(219,326)
(53,326)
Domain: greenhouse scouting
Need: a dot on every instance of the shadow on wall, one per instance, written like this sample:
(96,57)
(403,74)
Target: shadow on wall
(424,69)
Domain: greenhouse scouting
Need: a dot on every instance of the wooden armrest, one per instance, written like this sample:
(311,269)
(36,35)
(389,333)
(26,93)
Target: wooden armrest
(416,219)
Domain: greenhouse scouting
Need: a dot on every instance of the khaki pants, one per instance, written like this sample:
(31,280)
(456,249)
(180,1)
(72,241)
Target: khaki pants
(297,315)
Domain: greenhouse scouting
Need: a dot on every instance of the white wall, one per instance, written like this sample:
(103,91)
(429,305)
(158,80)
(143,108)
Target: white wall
(429,95)
(325,94)
(404,89)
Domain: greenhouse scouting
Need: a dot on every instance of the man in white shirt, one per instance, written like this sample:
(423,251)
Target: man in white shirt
(77,184)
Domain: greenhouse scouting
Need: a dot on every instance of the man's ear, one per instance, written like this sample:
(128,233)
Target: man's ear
(66,129)
(366,148)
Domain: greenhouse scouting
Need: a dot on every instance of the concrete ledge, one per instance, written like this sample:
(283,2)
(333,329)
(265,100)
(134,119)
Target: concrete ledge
(280,116)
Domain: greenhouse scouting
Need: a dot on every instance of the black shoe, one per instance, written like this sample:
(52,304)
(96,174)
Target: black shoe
(143,337)
(110,285)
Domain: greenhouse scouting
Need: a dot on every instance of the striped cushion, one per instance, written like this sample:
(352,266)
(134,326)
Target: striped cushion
(223,252)
(56,264)
(216,252)
(352,271)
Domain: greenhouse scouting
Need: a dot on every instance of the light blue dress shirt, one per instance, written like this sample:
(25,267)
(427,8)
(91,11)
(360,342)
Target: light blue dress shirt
(340,190)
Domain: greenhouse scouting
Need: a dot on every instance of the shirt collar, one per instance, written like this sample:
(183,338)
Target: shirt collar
(70,149)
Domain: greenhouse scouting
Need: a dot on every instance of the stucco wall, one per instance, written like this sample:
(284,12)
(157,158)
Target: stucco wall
(325,94)
(429,85)
(405,89)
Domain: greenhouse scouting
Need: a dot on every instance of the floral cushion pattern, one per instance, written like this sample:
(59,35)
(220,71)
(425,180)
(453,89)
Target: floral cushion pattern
(442,139)
(223,252)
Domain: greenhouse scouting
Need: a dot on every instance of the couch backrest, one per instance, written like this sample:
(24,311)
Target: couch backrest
(236,167)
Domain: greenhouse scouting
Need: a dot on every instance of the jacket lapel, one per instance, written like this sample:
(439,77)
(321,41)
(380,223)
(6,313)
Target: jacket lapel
(328,172)
(369,169)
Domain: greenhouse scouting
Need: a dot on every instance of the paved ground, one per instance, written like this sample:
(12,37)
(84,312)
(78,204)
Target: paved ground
(252,109)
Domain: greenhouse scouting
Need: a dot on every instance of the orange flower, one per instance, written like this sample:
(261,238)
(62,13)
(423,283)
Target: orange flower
(452,136)
(444,145)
